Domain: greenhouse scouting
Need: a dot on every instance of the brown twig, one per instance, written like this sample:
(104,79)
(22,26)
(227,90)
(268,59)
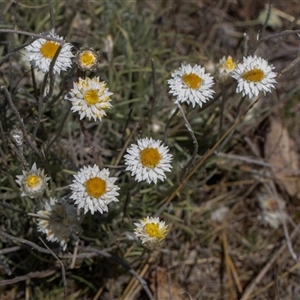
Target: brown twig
(207,155)
(142,282)
(248,291)
(75,255)
(291,65)
(223,240)
(289,271)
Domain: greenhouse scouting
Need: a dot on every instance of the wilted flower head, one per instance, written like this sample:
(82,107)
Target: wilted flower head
(219,214)
(93,189)
(90,98)
(273,210)
(254,75)
(59,221)
(87,59)
(41,52)
(151,231)
(191,85)
(32,183)
(148,160)
(224,69)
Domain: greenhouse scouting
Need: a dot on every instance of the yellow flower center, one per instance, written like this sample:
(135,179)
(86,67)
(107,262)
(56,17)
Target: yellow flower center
(149,157)
(95,187)
(152,229)
(254,75)
(32,181)
(86,58)
(193,81)
(91,97)
(228,64)
(48,49)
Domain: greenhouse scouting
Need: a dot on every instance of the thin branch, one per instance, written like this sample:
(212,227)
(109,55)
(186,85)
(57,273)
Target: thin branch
(168,124)
(40,106)
(11,52)
(224,92)
(19,154)
(38,216)
(275,35)
(259,162)
(270,6)
(3,139)
(51,73)
(23,241)
(283,275)
(291,65)
(196,146)
(10,250)
(51,13)
(34,83)
(39,274)
(36,35)
(246,40)
(63,271)
(8,96)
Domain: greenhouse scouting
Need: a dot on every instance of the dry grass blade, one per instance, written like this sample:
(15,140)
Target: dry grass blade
(108,83)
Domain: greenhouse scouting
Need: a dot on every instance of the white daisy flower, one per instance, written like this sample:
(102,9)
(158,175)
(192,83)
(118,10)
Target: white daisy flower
(93,189)
(225,67)
(254,75)
(273,210)
(41,52)
(191,85)
(89,98)
(59,221)
(32,183)
(151,231)
(148,160)
(87,59)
